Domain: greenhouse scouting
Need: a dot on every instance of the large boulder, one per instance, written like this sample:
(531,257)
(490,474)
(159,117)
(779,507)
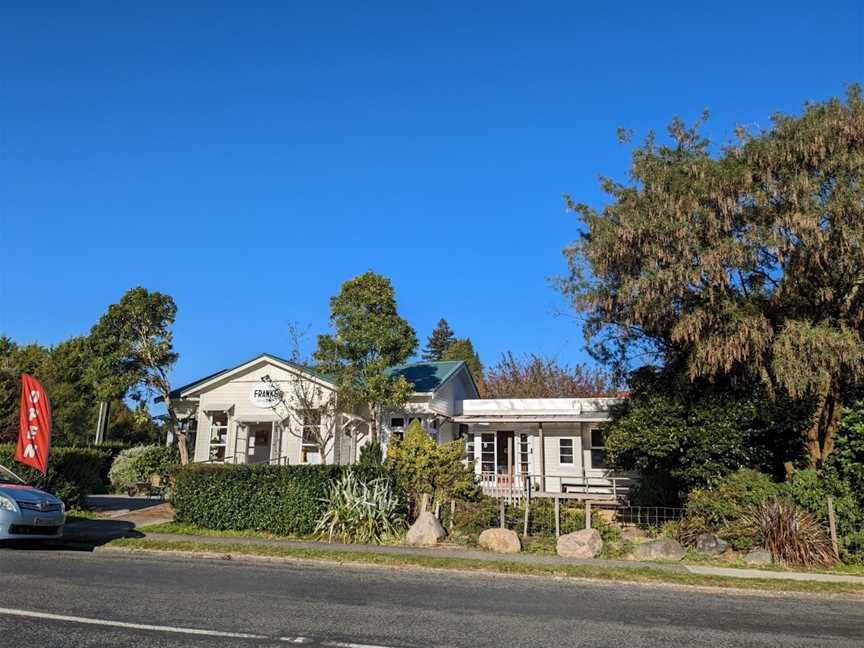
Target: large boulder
(710,544)
(758,556)
(500,540)
(660,549)
(426,530)
(580,544)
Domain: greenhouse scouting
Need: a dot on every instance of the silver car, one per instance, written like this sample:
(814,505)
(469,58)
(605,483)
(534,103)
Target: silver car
(26,513)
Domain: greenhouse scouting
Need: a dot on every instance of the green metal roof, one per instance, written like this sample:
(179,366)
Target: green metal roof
(425,376)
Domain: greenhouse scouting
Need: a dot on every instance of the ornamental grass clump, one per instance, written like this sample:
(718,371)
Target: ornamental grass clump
(791,534)
(362,512)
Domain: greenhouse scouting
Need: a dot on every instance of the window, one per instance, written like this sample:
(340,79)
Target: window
(523,454)
(397,422)
(218,436)
(565,451)
(598,449)
(309,451)
(487,453)
(468,438)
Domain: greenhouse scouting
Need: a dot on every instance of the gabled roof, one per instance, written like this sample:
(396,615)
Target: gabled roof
(425,376)
(178,392)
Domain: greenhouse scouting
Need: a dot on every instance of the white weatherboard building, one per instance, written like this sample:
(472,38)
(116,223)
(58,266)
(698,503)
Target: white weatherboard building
(545,445)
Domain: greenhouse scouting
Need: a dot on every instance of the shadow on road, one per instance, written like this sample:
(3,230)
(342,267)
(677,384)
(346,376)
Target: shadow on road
(81,535)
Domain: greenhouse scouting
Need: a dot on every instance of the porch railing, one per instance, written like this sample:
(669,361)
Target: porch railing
(516,486)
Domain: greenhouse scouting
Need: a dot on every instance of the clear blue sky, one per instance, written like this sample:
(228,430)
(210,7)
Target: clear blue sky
(248,159)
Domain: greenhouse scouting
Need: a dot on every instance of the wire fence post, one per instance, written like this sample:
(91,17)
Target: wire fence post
(832,525)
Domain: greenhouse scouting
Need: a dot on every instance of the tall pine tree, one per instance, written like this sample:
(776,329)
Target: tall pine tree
(440,340)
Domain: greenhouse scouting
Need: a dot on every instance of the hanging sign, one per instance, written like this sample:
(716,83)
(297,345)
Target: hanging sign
(265,395)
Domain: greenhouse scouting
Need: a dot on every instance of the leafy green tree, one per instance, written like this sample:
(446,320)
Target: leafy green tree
(439,342)
(134,343)
(747,263)
(15,360)
(534,376)
(463,349)
(846,463)
(681,435)
(424,467)
(369,336)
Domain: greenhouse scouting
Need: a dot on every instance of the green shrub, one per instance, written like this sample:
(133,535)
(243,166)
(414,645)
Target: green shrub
(424,467)
(371,454)
(73,473)
(474,516)
(811,488)
(852,548)
(792,535)
(286,500)
(134,465)
(362,511)
(724,503)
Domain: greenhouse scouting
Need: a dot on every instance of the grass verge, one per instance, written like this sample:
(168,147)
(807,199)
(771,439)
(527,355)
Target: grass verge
(629,574)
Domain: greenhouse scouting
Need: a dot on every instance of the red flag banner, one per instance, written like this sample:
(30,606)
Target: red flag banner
(34,440)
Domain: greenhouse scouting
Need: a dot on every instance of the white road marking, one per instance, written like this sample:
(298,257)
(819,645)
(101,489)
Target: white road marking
(32,614)
(124,624)
(341,644)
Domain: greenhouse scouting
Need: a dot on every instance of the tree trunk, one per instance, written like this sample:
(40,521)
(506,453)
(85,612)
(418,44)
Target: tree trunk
(373,424)
(820,436)
(182,447)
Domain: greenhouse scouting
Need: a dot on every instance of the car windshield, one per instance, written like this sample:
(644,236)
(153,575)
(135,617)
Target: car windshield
(8,477)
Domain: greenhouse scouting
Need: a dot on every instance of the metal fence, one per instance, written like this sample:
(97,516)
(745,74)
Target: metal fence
(647,516)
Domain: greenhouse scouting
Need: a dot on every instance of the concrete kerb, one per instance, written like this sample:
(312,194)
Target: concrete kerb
(533,559)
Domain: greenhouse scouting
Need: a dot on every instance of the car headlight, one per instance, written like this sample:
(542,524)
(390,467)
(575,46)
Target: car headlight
(6,504)
(62,507)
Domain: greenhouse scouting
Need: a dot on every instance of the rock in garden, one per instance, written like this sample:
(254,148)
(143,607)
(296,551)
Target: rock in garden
(710,544)
(426,530)
(500,540)
(580,544)
(661,549)
(758,556)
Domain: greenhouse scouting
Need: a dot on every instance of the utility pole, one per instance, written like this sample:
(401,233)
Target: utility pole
(102,422)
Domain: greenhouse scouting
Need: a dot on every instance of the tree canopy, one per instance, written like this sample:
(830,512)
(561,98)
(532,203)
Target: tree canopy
(748,262)
(463,349)
(368,337)
(65,371)
(439,342)
(534,376)
(134,342)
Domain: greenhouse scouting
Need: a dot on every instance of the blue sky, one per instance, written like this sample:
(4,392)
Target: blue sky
(247,158)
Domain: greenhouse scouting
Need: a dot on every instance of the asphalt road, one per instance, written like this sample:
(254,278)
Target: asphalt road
(62,599)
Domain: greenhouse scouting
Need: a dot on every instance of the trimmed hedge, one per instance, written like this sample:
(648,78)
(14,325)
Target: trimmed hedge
(73,473)
(285,500)
(138,464)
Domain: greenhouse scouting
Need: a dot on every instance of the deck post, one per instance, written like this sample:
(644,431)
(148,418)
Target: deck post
(501,508)
(557,516)
(542,458)
(527,507)
(587,514)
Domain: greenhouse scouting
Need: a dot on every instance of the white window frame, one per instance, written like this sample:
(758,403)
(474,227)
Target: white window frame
(572,451)
(215,432)
(599,448)
(523,451)
(307,447)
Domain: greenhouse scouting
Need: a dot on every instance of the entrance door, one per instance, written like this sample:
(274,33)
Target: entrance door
(259,443)
(504,456)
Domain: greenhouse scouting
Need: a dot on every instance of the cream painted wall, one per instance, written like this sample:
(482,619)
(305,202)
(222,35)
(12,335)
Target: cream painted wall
(233,391)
